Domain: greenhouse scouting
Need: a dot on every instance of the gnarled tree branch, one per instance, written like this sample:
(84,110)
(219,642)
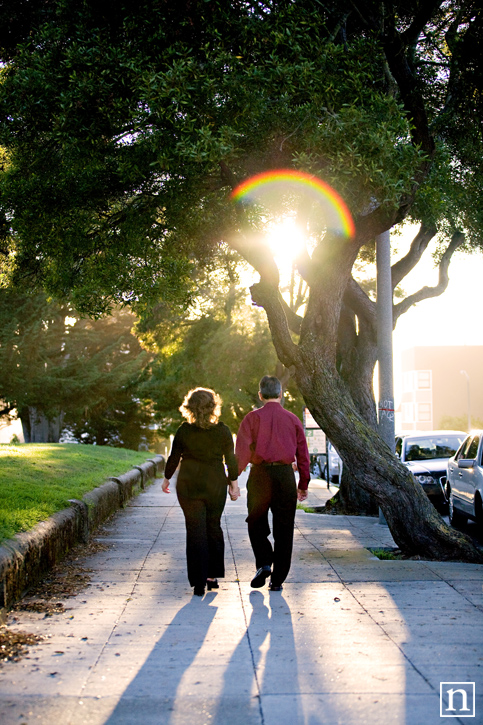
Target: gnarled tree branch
(419,244)
(421,19)
(294,321)
(266,296)
(360,303)
(426,292)
(255,251)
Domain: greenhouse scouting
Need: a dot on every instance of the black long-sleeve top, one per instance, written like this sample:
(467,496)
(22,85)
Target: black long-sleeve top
(207,445)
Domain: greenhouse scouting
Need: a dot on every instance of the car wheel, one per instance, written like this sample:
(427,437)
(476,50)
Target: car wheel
(324,472)
(456,518)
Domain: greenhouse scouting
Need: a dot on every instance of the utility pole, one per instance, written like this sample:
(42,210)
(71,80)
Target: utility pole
(384,343)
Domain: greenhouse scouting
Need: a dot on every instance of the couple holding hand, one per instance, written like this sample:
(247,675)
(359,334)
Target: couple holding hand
(271,439)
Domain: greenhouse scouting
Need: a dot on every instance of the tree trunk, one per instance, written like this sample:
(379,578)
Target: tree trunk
(37,428)
(356,359)
(415,525)
(351,499)
(25,420)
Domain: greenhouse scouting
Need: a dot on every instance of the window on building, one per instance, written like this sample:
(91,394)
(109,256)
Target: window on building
(424,379)
(424,413)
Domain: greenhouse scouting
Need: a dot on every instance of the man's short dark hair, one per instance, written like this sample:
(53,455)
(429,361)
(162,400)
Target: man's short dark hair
(270,387)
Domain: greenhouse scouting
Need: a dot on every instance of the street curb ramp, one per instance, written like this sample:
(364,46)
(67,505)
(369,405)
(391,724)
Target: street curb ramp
(26,557)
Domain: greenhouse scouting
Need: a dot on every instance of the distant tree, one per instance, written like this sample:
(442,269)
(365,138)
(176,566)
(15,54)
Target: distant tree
(59,371)
(459,422)
(225,345)
(106,367)
(33,335)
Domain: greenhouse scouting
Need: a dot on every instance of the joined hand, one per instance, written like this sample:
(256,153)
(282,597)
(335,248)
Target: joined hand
(234,491)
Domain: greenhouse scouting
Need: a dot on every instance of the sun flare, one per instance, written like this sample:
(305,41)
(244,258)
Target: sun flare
(287,241)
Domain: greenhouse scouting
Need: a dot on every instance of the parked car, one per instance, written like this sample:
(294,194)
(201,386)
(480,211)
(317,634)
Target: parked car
(335,465)
(318,464)
(464,488)
(426,454)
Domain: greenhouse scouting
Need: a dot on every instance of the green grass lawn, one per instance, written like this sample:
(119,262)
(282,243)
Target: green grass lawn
(38,479)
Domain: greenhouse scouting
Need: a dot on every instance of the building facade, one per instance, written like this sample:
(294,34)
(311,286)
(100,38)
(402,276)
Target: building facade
(438,383)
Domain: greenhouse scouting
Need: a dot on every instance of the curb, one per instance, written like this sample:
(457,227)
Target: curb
(26,557)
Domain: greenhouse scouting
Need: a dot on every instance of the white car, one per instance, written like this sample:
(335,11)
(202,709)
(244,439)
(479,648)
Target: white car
(318,464)
(335,465)
(426,454)
(464,487)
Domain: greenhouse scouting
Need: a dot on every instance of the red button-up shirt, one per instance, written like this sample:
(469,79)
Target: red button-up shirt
(272,434)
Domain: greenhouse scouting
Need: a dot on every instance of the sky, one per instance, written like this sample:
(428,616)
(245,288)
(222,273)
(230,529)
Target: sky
(449,319)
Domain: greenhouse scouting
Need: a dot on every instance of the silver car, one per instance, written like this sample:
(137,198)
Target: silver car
(464,486)
(426,455)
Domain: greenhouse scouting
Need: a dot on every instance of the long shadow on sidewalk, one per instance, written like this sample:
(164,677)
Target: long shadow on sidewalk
(272,646)
(151,696)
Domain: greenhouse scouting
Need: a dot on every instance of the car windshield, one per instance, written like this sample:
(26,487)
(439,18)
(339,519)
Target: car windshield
(423,449)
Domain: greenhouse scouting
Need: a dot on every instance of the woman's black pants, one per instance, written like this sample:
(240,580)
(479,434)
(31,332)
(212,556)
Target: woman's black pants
(201,492)
(272,488)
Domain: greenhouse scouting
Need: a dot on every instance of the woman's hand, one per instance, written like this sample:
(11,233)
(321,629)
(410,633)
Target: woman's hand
(233,490)
(165,485)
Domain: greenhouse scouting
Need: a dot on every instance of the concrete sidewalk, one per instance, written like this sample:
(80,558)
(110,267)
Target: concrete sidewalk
(351,639)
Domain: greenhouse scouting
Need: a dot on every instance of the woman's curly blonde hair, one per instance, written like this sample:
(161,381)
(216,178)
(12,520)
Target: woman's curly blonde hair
(202,407)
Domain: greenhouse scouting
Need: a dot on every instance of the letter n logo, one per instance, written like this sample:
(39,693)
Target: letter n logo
(457,699)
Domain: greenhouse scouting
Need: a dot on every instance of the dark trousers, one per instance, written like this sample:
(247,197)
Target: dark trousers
(272,488)
(201,494)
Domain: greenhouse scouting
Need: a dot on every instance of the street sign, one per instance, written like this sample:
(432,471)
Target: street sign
(316,441)
(315,436)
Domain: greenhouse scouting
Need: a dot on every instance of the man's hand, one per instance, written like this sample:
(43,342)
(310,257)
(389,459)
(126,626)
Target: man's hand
(302,494)
(165,485)
(233,490)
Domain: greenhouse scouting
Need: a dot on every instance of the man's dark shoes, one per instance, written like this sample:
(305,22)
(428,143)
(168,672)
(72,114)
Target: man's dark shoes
(261,576)
(275,588)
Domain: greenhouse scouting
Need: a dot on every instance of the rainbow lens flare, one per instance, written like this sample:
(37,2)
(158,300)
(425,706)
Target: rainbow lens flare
(338,216)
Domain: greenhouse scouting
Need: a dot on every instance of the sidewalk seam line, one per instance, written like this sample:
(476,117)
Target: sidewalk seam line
(255,675)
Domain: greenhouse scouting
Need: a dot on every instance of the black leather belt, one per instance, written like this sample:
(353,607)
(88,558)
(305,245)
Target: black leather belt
(275,463)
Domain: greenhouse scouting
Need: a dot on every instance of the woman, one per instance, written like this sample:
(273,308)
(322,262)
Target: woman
(203,444)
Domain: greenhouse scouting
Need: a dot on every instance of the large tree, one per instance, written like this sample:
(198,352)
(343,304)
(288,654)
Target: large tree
(126,130)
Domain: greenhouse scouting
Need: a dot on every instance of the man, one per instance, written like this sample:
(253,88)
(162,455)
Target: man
(271,439)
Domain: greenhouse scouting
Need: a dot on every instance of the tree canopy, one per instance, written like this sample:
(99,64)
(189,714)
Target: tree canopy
(126,128)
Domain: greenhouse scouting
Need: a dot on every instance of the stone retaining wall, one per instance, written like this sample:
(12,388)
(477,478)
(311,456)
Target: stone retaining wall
(28,556)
